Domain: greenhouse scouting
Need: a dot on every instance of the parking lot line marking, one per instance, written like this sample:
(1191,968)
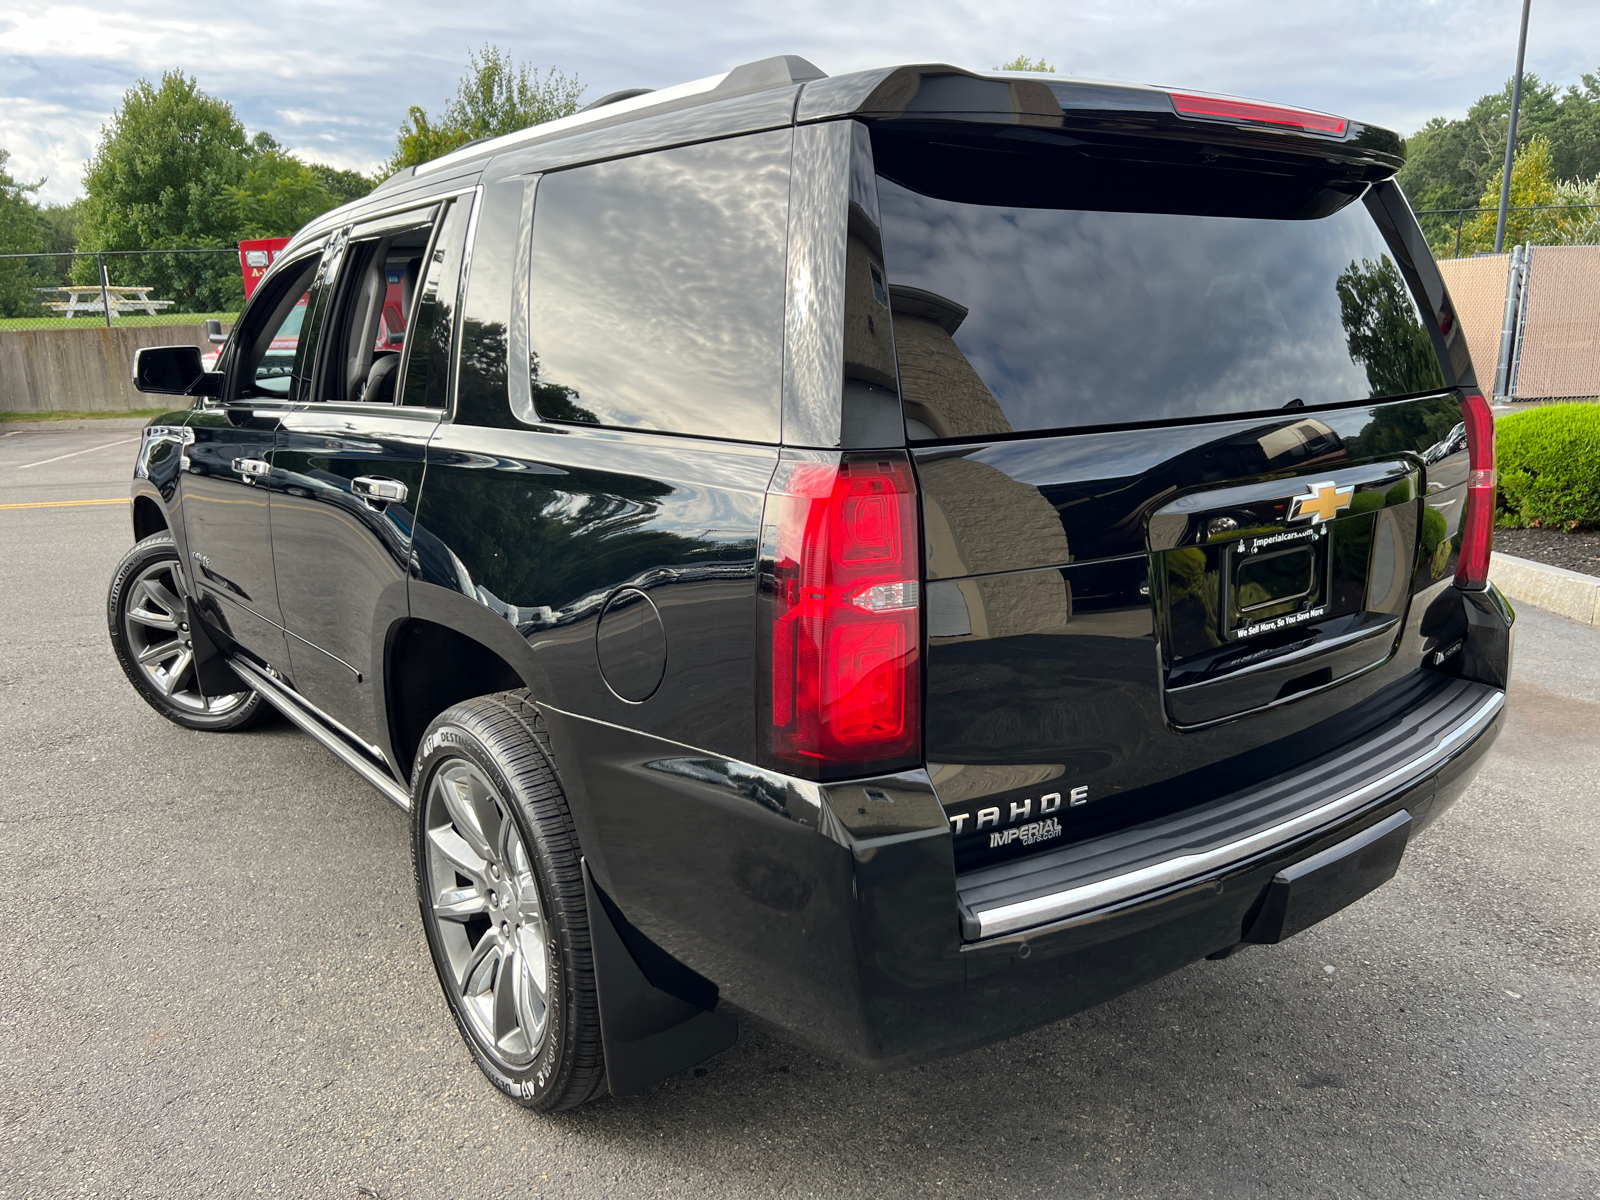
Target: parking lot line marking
(64,503)
(43,462)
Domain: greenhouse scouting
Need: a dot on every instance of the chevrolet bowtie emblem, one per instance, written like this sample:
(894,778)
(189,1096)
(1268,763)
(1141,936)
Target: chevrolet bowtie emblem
(1321,502)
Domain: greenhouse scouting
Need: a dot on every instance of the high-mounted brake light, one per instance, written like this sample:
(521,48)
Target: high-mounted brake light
(842,684)
(1220,108)
(1477,516)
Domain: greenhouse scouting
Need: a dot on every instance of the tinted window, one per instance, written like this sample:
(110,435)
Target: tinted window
(486,311)
(269,336)
(428,368)
(1012,317)
(657,289)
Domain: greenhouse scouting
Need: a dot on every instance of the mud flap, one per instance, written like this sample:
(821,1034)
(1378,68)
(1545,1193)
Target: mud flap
(655,1013)
(211,671)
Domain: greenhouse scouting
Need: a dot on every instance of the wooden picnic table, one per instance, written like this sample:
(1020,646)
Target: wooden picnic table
(85,299)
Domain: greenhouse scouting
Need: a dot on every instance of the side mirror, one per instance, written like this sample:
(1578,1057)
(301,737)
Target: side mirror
(173,371)
(214,333)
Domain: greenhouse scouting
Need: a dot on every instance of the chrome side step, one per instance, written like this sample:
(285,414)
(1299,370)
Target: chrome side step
(290,706)
(1005,914)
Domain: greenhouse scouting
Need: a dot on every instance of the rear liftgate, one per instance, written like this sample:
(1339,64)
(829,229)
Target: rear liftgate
(1271,591)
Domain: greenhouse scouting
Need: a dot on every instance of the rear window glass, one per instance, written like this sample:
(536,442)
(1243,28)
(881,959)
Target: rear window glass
(1010,317)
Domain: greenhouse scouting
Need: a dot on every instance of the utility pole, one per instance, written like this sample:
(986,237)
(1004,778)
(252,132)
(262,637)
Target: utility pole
(1511,134)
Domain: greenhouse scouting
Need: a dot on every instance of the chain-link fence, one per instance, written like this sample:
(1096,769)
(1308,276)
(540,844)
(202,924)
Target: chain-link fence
(1532,320)
(119,288)
(1465,232)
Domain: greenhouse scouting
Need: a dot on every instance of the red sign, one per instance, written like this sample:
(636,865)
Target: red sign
(255,257)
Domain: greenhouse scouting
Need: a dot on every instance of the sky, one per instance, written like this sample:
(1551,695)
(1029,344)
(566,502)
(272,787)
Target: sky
(332,82)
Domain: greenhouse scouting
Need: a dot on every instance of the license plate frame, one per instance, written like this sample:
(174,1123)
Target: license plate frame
(1242,616)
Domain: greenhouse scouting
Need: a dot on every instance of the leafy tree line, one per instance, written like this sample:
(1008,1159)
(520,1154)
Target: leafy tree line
(1457,164)
(175,169)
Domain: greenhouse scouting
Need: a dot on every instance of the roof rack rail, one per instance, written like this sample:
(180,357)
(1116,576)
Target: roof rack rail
(613,97)
(781,70)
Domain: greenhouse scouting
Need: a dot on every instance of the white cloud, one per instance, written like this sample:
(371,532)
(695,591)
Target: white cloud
(340,77)
(48,141)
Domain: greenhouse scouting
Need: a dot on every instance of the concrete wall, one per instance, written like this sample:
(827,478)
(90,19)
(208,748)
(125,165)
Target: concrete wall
(87,368)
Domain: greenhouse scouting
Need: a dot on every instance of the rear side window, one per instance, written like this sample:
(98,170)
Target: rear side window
(431,327)
(1017,315)
(657,290)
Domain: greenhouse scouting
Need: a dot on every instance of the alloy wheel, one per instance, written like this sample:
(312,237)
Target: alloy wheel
(155,623)
(484,901)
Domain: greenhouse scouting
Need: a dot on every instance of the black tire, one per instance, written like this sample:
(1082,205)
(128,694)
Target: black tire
(500,741)
(144,613)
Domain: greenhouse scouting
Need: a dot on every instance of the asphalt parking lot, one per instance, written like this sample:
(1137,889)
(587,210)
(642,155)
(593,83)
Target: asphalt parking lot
(215,981)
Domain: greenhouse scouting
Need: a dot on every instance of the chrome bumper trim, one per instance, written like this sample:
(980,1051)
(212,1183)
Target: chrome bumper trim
(284,701)
(1040,910)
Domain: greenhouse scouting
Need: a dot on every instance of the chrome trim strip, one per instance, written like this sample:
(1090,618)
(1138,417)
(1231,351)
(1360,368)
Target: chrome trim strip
(1008,918)
(285,703)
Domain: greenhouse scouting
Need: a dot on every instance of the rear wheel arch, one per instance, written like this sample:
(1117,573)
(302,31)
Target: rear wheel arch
(432,666)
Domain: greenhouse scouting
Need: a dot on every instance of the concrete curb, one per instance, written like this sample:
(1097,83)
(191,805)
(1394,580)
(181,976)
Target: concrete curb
(80,423)
(1569,594)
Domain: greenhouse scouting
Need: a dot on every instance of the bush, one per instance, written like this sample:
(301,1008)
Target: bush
(1549,466)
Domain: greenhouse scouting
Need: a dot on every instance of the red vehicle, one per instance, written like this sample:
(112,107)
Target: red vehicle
(255,256)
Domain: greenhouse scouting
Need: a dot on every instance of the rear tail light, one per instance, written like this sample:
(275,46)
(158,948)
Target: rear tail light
(1221,108)
(841,691)
(1477,516)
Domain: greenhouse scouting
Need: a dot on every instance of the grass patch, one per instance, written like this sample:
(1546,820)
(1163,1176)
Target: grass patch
(139,319)
(10,418)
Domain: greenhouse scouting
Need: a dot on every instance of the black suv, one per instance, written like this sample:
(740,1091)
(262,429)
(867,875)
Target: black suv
(907,555)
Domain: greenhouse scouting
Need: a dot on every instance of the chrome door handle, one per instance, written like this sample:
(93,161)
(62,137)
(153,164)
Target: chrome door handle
(379,489)
(252,468)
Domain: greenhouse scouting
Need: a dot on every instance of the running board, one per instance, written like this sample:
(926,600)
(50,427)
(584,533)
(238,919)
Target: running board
(290,706)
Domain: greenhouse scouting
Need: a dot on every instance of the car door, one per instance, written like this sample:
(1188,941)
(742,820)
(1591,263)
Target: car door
(349,457)
(225,488)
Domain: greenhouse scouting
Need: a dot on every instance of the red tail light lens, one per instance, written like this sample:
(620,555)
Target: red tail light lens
(1221,108)
(843,688)
(1477,515)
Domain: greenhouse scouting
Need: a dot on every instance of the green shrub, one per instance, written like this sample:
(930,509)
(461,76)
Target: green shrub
(1548,461)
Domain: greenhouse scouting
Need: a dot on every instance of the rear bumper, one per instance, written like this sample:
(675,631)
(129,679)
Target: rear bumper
(1028,893)
(832,911)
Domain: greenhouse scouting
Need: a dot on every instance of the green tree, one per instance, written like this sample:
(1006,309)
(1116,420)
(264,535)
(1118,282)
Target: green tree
(1531,184)
(343,186)
(496,96)
(1450,162)
(1023,63)
(277,193)
(20,233)
(59,223)
(1383,332)
(175,170)
(159,180)
(1580,226)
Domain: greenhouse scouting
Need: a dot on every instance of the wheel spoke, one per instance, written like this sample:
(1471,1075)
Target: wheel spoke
(507,983)
(158,593)
(478,972)
(539,966)
(459,904)
(466,811)
(453,848)
(176,672)
(143,616)
(159,651)
(535,975)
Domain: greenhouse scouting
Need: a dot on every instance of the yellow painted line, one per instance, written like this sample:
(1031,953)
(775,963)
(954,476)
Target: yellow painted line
(62,503)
